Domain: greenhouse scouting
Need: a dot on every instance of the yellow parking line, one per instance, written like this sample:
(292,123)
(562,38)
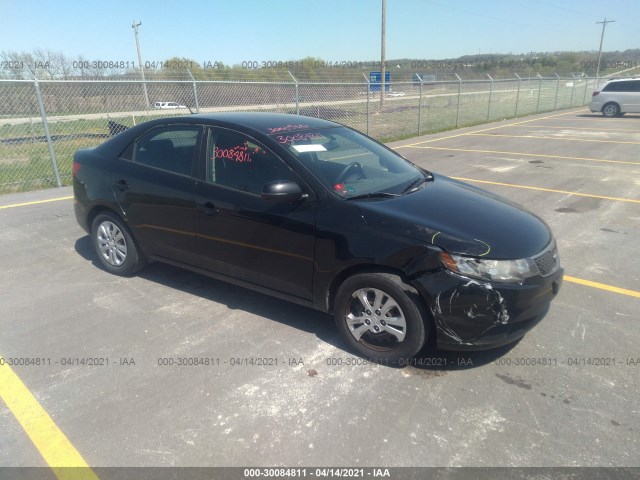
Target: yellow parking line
(52,444)
(542,137)
(486,129)
(500,152)
(630,200)
(602,286)
(35,202)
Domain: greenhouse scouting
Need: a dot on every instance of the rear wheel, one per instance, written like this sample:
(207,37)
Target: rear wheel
(611,110)
(115,246)
(380,317)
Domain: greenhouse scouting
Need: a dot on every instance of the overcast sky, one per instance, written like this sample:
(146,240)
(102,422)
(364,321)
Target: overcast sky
(233,31)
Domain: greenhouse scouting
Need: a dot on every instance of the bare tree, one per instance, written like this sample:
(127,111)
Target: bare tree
(63,63)
(15,64)
(44,64)
(82,65)
(97,70)
(53,64)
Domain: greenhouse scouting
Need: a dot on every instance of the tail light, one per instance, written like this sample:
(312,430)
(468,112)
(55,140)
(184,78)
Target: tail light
(76,168)
(595,93)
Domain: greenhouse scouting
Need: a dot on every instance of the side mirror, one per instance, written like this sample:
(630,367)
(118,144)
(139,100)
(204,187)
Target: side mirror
(282,191)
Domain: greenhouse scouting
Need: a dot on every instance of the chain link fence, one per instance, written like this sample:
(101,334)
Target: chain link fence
(42,123)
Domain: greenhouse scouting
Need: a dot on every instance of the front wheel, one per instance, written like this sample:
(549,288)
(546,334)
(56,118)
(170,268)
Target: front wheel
(380,318)
(115,246)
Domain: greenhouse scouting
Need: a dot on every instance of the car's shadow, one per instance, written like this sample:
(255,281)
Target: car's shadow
(626,116)
(430,360)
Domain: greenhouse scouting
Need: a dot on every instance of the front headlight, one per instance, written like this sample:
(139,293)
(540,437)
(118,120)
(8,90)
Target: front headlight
(507,271)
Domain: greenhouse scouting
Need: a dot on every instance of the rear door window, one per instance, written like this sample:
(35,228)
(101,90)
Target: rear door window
(170,148)
(618,87)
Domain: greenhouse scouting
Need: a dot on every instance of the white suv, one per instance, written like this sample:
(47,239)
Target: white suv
(616,97)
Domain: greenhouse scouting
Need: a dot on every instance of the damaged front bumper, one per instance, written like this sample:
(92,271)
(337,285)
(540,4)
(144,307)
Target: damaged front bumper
(476,315)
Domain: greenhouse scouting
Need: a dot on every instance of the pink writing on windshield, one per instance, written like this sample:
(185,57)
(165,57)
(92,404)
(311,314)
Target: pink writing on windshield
(287,128)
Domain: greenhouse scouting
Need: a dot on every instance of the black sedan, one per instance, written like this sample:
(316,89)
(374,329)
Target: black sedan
(316,213)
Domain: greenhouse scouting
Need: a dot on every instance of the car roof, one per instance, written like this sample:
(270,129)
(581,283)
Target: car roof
(615,80)
(264,122)
(626,79)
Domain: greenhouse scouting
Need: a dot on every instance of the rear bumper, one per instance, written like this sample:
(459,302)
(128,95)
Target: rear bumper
(474,315)
(81,216)
(79,202)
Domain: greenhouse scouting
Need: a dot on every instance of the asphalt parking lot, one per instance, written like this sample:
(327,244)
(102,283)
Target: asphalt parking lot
(566,395)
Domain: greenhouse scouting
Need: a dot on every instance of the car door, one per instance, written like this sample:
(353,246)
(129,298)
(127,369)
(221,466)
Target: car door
(632,97)
(153,184)
(243,236)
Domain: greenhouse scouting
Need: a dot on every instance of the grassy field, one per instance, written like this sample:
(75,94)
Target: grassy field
(25,161)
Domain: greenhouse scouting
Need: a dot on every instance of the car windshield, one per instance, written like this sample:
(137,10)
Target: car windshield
(351,164)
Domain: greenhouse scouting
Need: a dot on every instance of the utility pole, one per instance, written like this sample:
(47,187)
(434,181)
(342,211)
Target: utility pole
(382,59)
(135,26)
(604,24)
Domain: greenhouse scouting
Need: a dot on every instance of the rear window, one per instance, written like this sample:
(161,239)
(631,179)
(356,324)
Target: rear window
(622,87)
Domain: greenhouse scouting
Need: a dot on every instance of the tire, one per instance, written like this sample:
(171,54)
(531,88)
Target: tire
(611,110)
(114,245)
(371,334)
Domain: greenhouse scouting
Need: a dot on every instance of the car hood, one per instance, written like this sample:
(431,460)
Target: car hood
(461,219)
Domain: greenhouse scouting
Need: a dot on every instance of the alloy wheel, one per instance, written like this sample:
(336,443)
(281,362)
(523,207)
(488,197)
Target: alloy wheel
(112,243)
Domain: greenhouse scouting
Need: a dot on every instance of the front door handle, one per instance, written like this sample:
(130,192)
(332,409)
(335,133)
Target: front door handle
(121,185)
(208,208)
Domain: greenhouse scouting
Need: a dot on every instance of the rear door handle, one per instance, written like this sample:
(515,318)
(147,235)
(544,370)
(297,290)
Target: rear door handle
(208,208)
(121,185)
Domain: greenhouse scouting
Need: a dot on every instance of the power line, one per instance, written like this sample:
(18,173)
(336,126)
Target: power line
(565,9)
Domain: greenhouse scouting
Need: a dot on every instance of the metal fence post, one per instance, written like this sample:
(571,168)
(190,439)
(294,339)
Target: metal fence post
(539,92)
(573,89)
(555,102)
(195,91)
(490,95)
(459,93)
(419,105)
(297,93)
(45,124)
(368,98)
(517,94)
(586,88)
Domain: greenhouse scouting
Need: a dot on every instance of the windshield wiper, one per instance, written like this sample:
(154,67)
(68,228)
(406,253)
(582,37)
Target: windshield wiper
(414,185)
(374,195)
